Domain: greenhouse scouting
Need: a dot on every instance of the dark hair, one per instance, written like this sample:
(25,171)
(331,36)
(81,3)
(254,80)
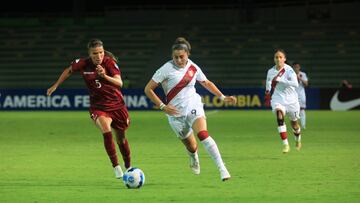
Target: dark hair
(98,43)
(280,50)
(181,44)
(94,43)
(295,63)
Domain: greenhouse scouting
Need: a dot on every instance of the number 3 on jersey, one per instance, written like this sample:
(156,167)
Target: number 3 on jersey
(98,84)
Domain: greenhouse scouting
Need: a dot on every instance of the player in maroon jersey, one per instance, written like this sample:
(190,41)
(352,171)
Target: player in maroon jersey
(107,107)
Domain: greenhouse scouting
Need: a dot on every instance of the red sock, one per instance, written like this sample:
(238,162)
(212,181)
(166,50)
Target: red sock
(110,148)
(283,135)
(125,152)
(202,135)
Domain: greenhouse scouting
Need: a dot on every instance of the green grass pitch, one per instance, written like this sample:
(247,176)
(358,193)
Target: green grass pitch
(59,157)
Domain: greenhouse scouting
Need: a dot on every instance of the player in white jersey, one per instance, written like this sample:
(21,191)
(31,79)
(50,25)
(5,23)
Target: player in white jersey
(281,84)
(303,82)
(183,105)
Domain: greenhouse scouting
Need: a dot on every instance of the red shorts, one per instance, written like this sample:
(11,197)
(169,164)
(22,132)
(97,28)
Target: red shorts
(120,118)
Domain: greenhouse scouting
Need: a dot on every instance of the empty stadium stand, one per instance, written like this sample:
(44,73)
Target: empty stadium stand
(231,54)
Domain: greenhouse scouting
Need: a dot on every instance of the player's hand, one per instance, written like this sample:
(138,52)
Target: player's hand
(51,90)
(100,71)
(230,100)
(267,99)
(171,110)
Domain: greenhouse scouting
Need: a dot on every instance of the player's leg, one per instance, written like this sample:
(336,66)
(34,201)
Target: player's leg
(185,134)
(120,123)
(303,118)
(280,117)
(293,112)
(124,147)
(302,115)
(191,147)
(200,128)
(103,123)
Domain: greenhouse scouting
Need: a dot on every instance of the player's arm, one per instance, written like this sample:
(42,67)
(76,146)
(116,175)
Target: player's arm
(303,79)
(268,83)
(211,87)
(64,75)
(290,80)
(115,80)
(150,93)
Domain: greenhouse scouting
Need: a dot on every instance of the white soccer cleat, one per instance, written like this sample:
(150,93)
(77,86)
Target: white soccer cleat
(224,174)
(286,148)
(118,172)
(195,166)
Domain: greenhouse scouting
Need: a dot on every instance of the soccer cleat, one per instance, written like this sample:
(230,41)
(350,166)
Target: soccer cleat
(298,145)
(224,174)
(195,166)
(286,148)
(118,172)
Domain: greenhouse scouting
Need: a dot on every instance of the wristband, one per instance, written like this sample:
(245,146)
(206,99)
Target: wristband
(222,97)
(162,106)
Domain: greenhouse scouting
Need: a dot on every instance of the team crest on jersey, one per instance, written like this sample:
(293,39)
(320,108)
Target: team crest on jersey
(191,73)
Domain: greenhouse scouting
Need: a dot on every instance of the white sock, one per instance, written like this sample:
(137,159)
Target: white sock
(282,129)
(303,118)
(211,147)
(194,155)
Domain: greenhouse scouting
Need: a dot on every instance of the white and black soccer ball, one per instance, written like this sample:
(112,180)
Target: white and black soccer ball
(134,178)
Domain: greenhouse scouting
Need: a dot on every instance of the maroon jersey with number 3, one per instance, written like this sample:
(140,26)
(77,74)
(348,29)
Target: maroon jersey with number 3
(103,95)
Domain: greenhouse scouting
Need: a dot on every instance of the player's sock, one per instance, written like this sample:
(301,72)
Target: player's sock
(303,118)
(297,134)
(110,148)
(125,152)
(283,134)
(211,147)
(193,155)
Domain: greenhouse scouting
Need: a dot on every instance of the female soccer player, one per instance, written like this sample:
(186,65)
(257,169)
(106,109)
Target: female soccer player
(183,105)
(303,82)
(281,82)
(107,107)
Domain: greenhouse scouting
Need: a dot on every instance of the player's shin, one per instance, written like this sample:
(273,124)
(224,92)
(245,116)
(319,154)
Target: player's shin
(110,148)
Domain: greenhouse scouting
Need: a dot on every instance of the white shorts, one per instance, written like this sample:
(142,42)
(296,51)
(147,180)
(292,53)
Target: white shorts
(182,125)
(292,110)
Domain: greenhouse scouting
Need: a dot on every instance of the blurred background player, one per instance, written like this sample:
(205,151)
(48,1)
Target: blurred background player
(107,107)
(281,84)
(183,105)
(303,82)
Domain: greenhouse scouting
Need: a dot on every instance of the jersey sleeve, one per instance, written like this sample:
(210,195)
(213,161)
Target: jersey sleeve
(159,75)
(200,75)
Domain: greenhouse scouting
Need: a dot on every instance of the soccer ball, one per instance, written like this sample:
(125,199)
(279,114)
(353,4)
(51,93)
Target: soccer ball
(134,178)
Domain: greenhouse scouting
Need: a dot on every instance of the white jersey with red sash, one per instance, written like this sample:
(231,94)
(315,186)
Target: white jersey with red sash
(179,84)
(283,91)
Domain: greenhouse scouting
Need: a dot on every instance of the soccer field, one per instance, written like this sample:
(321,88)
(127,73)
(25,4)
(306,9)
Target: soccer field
(59,157)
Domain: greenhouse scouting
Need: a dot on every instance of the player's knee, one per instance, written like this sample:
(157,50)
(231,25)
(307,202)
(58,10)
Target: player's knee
(202,135)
